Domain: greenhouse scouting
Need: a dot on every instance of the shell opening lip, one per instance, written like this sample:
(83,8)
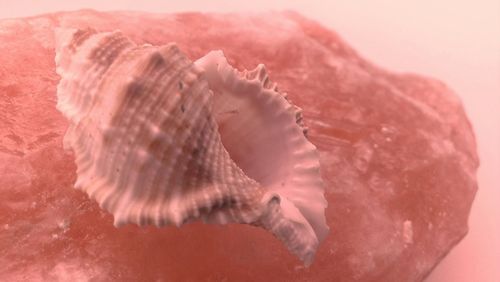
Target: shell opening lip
(274,151)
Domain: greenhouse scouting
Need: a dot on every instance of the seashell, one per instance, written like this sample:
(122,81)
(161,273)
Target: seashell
(161,140)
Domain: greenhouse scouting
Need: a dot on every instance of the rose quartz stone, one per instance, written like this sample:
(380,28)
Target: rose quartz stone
(397,152)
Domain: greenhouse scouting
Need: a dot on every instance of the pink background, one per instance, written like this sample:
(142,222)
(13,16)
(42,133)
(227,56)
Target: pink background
(455,41)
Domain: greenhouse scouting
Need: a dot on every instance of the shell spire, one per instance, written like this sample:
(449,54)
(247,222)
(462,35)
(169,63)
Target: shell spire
(161,140)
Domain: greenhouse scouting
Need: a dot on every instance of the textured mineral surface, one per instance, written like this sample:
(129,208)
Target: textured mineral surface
(397,152)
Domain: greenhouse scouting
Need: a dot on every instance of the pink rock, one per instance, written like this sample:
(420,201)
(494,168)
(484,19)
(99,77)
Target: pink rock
(398,157)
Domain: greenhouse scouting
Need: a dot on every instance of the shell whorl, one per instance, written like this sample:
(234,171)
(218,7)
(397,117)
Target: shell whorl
(161,140)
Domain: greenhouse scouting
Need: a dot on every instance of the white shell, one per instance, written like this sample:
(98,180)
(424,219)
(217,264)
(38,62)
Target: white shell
(160,140)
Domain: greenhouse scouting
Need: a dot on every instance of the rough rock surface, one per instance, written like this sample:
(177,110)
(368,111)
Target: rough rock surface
(397,151)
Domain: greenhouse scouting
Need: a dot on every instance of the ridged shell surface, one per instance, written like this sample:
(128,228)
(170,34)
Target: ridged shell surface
(161,140)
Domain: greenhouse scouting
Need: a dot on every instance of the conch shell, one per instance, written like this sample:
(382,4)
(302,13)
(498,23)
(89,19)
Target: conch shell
(161,140)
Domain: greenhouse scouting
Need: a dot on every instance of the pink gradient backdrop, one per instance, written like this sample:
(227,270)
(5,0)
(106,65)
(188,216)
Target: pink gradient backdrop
(455,41)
